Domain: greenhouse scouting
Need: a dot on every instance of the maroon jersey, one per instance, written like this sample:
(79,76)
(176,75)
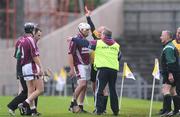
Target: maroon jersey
(29,50)
(80,54)
(17,53)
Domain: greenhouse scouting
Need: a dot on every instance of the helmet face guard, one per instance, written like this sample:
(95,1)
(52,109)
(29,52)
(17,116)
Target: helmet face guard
(83,26)
(29,27)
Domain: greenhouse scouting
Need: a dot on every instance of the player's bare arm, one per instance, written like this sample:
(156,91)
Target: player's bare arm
(71,64)
(38,62)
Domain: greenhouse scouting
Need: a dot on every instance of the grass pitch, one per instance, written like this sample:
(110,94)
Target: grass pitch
(54,106)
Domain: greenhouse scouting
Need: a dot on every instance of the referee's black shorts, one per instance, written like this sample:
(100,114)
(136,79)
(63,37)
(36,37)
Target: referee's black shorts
(166,80)
(93,74)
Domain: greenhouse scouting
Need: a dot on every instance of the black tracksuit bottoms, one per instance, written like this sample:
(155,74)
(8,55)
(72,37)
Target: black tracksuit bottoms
(23,95)
(104,76)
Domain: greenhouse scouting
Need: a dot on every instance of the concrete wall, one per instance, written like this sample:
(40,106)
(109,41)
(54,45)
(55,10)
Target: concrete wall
(54,47)
(7,72)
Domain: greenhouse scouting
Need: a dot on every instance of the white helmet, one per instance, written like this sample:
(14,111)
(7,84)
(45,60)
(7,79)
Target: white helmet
(83,25)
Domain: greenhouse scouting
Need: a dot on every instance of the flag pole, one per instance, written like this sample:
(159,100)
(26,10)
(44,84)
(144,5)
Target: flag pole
(152,95)
(120,100)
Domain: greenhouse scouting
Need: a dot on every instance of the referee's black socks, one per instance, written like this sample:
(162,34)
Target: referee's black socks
(176,101)
(167,102)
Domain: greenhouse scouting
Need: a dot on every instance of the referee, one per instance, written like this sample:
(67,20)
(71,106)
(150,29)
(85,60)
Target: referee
(107,54)
(170,72)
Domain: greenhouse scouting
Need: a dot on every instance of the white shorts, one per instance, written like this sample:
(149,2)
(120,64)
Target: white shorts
(83,71)
(28,70)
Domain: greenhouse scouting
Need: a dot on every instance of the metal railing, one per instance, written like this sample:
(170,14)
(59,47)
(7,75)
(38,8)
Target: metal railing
(132,88)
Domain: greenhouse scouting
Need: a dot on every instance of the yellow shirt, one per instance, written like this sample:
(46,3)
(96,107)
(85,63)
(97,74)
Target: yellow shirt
(98,35)
(177,45)
(106,55)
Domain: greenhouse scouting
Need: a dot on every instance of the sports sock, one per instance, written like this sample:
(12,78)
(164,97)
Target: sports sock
(176,101)
(72,104)
(81,107)
(28,101)
(25,104)
(75,103)
(167,102)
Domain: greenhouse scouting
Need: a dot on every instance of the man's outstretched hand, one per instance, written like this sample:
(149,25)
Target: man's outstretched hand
(88,12)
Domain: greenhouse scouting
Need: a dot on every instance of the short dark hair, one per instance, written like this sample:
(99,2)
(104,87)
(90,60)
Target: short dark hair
(107,32)
(37,29)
